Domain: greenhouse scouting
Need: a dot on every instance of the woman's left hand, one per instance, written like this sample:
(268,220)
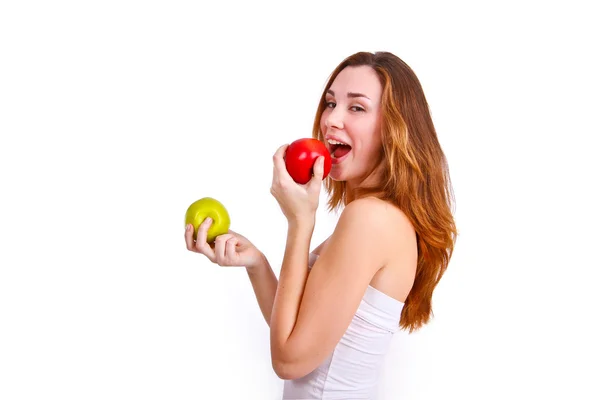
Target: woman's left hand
(298,202)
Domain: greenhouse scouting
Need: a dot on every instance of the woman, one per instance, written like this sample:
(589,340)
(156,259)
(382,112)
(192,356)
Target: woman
(375,274)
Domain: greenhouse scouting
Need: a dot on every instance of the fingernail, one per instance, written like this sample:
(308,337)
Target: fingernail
(208,220)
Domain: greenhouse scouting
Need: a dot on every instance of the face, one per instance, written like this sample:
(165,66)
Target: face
(351,123)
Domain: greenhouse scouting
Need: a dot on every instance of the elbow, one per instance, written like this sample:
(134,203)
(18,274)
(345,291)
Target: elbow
(285,370)
(290,362)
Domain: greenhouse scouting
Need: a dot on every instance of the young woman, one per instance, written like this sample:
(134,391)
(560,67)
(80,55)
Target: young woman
(334,310)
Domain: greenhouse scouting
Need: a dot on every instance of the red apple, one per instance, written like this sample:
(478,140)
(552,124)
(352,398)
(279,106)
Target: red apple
(300,157)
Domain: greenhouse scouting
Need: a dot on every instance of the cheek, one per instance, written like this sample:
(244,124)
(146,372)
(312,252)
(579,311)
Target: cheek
(322,122)
(371,147)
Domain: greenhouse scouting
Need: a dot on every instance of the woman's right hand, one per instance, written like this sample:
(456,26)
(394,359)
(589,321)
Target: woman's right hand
(228,250)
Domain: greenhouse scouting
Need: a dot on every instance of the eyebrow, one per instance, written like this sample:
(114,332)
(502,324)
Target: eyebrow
(350,94)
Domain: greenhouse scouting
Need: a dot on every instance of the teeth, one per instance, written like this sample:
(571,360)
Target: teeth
(331,141)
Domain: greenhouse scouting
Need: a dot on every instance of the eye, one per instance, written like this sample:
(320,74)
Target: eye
(357,109)
(330,104)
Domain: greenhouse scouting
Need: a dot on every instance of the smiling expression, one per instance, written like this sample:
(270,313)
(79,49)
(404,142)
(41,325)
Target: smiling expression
(351,123)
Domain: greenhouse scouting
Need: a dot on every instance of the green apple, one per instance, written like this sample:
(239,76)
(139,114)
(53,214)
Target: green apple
(208,207)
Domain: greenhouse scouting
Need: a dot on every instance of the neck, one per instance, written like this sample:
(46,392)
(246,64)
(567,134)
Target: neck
(371,181)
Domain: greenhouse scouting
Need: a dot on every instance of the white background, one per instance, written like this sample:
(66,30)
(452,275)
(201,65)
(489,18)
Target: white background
(116,115)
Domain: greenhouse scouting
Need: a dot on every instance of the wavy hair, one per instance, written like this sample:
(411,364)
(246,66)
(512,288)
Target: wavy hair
(415,175)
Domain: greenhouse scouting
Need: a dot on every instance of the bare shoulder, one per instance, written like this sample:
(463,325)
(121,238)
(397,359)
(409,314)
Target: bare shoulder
(372,218)
(385,216)
(398,246)
(382,224)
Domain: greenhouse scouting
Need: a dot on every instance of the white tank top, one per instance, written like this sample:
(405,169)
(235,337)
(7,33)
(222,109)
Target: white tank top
(352,370)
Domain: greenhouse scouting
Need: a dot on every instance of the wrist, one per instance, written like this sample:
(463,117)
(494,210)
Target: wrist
(259,263)
(302,223)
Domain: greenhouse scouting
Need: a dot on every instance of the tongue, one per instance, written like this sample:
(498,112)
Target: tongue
(341,151)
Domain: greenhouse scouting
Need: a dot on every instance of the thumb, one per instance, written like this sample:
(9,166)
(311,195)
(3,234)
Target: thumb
(318,169)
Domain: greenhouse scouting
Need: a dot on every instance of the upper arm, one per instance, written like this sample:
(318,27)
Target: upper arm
(339,278)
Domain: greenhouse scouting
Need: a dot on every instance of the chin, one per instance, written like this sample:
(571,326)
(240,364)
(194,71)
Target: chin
(336,175)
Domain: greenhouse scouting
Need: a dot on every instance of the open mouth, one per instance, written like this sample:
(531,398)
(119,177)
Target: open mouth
(338,149)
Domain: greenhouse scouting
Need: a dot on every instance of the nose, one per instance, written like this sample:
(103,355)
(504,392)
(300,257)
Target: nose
(335,119)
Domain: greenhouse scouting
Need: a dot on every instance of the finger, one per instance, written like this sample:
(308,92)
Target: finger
(318,172)
(230,251)
(279,161)
(280,153)
(319,168)
(220,242)
(189,237)
(201,244)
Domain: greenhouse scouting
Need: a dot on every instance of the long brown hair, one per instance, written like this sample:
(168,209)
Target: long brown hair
(415,175)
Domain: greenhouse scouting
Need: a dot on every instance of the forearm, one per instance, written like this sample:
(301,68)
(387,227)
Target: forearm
(292,280)
(264,283)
